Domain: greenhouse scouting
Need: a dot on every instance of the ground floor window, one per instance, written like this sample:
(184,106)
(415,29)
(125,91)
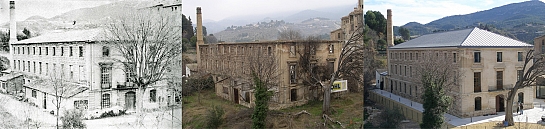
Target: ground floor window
(105,101)
(81,104)
(477,103)
(34,93)
(153,95)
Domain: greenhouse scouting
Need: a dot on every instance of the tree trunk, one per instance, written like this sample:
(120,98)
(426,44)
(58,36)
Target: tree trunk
(509,108)
(140,104)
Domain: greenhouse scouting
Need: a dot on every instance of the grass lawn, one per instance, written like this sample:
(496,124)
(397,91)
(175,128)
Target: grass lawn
(347,110)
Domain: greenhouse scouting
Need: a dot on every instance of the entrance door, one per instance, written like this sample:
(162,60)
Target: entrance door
(130,100)
(235,95)
(500,103)
(381,85)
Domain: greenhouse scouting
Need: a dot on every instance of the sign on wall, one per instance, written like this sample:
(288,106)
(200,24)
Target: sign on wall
(339,86)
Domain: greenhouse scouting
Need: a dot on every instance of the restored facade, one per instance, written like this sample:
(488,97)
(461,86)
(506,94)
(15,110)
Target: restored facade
(489,65)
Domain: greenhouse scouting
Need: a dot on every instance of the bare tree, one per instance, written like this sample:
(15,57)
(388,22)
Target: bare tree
(310,71)
(148,42)
(532,70)
(289,34)
(349,65)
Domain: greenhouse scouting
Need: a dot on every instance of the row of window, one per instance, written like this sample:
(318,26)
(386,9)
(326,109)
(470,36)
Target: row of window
(43,68)
(499,80)
(419,56)
(233,50)
(46,51)
(499,56)
(402,87)
(476,56)
(106,76)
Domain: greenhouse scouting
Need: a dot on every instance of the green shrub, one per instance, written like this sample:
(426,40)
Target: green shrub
(214,117)
(72,119)
(391,118)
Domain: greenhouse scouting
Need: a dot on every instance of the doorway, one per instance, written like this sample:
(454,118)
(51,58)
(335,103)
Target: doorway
(500,103)
(235,95)
(130,100)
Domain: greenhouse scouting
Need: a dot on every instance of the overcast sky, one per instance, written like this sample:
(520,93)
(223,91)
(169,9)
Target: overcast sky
(45,8)
(404,11)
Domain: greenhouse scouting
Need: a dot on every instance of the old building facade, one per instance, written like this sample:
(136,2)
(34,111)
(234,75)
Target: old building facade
(82,60)
(489,66)
(229,65)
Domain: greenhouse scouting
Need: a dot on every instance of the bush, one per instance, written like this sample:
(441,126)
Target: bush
(107,112)
(391,118)
(214,117)
(72,119)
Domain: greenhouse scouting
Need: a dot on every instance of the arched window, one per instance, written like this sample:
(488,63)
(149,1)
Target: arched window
(105,51)
(153,96)
(477,103)
(105,101)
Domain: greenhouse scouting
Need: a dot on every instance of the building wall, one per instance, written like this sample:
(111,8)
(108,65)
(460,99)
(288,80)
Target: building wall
(86,70)
(403,65)
(230,70)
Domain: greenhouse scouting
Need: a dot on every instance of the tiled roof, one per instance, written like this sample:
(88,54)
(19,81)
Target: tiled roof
(67,36)
(462,38)
(70,89)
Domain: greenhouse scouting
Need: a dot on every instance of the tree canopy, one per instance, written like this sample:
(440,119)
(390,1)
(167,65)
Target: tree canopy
(376,21)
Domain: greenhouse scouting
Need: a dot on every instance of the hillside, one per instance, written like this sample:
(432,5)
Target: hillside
(267,31)
(83,18)
(524,20)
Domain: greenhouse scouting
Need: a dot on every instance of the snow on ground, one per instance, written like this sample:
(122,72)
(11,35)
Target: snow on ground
(529,116)
(160,119)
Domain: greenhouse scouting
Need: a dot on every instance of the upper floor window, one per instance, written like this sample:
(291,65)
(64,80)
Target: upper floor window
(454,57)
(106,78)
(519,55)
(293,78)
(39,50)
(62,51)
(477,82)
(80,51)
(105,51)
(33,50)
(71,51)
(46,50)
(331,48)
(54,51)
(477,57)
(499,57)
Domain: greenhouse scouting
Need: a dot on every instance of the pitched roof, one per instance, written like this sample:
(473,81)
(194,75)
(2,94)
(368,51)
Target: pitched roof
(67,36)
(462,38)
(46,85)
(10,76)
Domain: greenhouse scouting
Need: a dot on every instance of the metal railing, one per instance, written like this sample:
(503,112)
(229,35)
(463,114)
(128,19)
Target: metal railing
(498,88)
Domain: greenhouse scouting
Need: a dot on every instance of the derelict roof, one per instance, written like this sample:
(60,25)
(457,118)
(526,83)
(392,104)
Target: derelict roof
(67,36)
(462,38)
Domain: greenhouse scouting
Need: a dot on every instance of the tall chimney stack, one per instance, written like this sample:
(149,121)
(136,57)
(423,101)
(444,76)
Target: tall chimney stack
(12,31)
(360,4)
(199,35)
(390,29)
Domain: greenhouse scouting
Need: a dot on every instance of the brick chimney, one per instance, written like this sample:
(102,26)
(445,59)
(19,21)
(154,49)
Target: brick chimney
(390,29)
(13,31)
(199,35)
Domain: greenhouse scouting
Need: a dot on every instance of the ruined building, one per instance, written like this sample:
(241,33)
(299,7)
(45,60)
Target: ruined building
(230,65)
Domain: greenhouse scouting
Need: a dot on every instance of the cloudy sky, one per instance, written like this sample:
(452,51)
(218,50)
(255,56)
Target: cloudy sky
(404,11)
(45,8)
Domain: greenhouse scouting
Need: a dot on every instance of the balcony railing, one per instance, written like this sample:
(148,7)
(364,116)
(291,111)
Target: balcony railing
(499,88)
(126,85)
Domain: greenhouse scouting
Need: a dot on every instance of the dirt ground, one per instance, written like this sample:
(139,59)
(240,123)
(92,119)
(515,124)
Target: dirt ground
(347,110)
